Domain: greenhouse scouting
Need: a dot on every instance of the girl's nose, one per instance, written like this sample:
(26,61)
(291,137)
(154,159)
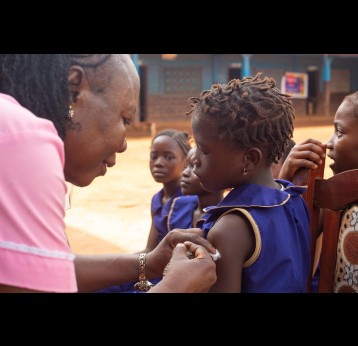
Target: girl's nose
(186,173)
(330,143)
(159,161)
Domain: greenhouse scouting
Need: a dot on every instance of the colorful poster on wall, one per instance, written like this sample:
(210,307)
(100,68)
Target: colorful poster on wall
(295,84)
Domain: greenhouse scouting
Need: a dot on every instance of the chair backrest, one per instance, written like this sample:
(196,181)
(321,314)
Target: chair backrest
(307,177)
(334,195)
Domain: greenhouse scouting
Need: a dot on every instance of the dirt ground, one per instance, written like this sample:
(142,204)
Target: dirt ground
(112,215)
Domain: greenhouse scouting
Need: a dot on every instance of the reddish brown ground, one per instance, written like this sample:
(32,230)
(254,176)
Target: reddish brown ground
(113,213)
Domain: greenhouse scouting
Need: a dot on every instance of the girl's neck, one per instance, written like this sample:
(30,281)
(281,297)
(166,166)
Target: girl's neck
(264,178)
(206,200)
(169,190)
(210,198)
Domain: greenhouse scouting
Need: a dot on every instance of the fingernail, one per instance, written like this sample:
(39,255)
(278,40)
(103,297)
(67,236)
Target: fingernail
(180,245)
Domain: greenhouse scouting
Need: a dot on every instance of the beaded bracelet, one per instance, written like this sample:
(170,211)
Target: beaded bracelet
(143,284)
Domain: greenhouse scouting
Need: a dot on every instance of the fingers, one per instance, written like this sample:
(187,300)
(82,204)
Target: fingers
(307,148)
(197,250)
(179,251)
(313,141)
(306,155)
(194,235)
(196,231)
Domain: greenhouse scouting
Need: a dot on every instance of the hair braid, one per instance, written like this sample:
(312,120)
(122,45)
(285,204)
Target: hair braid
(181,137)
(39,82)
(250,112)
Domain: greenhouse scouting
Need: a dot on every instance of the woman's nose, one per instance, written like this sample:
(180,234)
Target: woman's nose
(124,146)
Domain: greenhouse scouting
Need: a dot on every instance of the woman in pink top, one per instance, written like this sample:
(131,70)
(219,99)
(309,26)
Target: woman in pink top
(57,106)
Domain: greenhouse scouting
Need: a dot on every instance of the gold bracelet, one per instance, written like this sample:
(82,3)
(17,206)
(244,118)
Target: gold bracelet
(143,284)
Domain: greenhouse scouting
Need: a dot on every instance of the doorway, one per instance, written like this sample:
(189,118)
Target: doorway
(234,73)
(143,76)
(313,84)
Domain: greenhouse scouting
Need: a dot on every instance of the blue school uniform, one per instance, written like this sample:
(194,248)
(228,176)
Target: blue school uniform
(182,211)
(280,221)
(161,212)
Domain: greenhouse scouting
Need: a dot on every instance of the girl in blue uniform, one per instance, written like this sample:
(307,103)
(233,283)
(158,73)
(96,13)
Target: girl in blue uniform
(167,158)
(187,210)
(261,228)
(342,149)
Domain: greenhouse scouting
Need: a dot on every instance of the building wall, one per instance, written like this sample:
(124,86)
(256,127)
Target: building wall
(172,82)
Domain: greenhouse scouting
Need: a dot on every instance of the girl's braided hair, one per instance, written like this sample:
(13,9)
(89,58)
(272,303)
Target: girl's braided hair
(250,112)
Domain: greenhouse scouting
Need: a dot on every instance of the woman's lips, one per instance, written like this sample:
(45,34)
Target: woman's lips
(103,168)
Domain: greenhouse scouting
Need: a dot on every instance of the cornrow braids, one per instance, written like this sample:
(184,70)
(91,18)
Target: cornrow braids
(181,137)
(39,82)
(250,112)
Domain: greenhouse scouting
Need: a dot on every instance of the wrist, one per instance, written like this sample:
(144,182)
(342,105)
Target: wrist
(152,266)
(143,284)
(170,284)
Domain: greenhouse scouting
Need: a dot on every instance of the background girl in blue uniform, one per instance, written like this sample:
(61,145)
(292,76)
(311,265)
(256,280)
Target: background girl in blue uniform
(261,228)
(186,210)
(167,157)
(168,153)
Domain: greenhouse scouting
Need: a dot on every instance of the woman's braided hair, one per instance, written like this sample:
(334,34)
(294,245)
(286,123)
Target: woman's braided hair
(39,82)
(250,112)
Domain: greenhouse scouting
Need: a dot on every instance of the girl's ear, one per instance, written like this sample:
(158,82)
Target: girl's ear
(253,157)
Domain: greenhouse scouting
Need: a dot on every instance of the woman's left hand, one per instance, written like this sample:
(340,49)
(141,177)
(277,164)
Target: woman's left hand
(161,255)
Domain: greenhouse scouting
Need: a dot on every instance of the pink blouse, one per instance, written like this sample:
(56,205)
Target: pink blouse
(34,252)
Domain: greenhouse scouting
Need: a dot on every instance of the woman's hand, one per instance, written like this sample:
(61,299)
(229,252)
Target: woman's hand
(160,256)
(307,154)
(184,275)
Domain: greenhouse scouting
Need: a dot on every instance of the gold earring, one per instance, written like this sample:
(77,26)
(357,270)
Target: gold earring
(245,171)
(71,112)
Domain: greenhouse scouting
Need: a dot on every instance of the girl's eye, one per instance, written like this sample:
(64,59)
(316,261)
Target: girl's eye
(153,156)
(169,157)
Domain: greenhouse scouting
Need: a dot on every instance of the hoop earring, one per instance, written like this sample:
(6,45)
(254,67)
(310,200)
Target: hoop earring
(245,171)
(71,112)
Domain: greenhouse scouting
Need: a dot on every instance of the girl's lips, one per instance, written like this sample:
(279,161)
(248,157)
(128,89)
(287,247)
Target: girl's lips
(159,174)
(184,184)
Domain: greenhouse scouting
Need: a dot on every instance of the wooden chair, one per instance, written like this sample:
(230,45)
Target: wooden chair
(334,195)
